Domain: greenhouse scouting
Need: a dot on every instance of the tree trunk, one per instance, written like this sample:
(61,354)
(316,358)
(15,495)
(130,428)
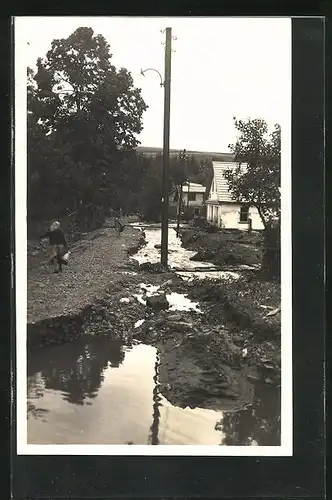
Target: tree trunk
(271,248)
(260,213)
(78,101)
(271,253)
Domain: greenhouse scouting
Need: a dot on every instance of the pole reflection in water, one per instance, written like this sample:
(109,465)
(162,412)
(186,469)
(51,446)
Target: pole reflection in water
(63,407)
(154,429)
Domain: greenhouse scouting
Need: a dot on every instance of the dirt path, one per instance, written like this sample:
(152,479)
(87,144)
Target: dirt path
(91,270)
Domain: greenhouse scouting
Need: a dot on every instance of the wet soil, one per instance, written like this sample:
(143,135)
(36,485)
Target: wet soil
(225,247)
(209,356)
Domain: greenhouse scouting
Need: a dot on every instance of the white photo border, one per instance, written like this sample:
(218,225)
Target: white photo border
(23,448)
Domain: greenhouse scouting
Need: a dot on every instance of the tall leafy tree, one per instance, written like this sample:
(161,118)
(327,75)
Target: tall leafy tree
(257,184)
(84,116)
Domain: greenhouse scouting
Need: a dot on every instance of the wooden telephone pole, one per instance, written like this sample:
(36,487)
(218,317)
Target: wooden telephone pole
(167,102)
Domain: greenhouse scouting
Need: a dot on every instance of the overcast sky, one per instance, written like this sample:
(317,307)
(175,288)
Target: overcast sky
(221,67)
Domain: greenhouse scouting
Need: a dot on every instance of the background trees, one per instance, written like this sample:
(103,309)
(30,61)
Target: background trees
(84,116)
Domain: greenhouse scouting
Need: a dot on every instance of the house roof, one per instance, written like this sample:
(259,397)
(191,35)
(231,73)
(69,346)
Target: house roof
(193,187)
(219,168)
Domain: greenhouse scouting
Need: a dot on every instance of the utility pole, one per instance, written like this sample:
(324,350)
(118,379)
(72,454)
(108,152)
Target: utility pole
(167,102)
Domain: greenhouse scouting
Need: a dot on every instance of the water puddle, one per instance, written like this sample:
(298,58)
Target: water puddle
(177,301)
(180,302)
(139,323)
(104,392)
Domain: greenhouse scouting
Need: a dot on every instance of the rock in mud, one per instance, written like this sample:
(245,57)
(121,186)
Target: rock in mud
(237,339)
(157,302)
(155,267)
(181,326)
(99,312)
(167,283)
(254,377)
(160,322)
(174,317)
(204,255)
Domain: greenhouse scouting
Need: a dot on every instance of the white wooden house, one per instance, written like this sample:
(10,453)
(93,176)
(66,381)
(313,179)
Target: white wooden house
(193,197)
(222,210)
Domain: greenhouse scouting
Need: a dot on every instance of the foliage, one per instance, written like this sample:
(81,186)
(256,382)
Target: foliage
(256,425)
(84,116)
(191,170)
(149,199)
(205,172)
(258,182)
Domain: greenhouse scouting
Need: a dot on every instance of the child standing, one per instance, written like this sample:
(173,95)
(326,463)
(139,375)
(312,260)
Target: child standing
(119,227)
(58,246)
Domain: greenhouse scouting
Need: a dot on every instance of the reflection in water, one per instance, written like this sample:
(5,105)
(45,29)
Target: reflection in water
(35,412)
(63,382)
(36,388)
(258,424)
(154,429)
(75,369)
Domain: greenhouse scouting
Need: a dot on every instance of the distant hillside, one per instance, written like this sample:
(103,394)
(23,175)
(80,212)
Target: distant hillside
(200,155)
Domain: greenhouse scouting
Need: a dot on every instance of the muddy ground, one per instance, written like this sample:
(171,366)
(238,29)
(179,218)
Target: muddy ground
(208,358)
(224,247)
(251,304)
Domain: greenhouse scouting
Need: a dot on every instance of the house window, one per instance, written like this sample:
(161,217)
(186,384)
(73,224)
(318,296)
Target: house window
(196,211)
(244,213)
(192,196)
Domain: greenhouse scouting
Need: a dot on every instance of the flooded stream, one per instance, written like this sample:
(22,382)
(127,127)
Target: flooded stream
(102,391)
(178,257)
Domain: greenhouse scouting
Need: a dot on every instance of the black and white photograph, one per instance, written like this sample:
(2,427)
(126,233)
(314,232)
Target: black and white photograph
(153,236)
